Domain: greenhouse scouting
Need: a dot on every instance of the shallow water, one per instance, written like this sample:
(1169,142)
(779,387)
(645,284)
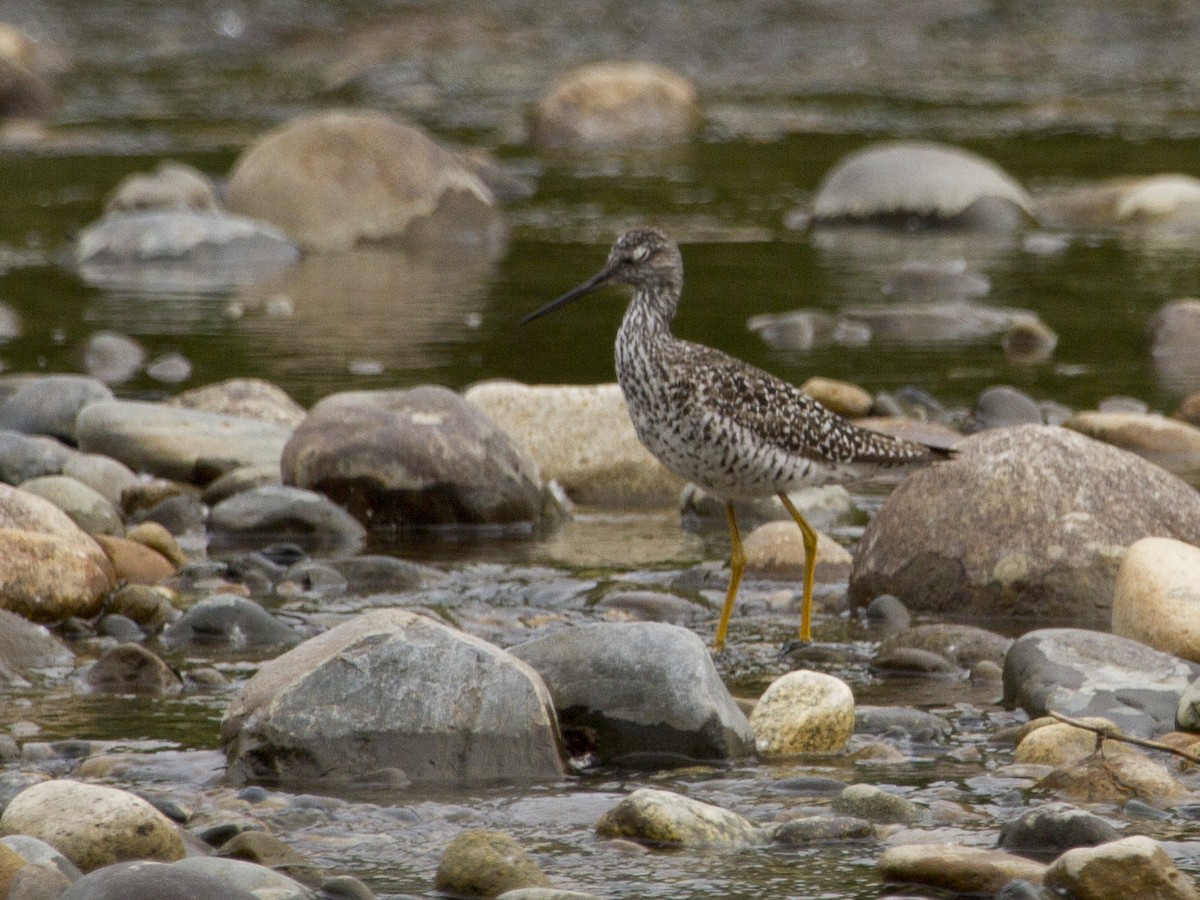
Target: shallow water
(1056,96)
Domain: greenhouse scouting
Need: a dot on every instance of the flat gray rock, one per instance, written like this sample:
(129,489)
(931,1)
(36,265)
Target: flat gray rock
(274,514)
(49,405)
(1088,673)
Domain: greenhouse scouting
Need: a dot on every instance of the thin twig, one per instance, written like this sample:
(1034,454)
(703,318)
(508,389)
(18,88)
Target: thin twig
(1107,731)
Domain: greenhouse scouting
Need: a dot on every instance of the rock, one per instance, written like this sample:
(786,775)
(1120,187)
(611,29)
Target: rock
(249,398)
(235,481)
(1001,532)
(1086,673)
(38,881)
(535,893)
(1048,829)
(920,324)
(391,689)
(934,281)
(135,563)
(178,512)
(651,606)
(1165,442)
(961,870)
(11,862)
(1029,341)
(1157,597)
(666,819)
(243,876)
(269,853)
(25,647)
(1132,867)
(887,615)
(841,397)
(866,801)
(170,368)
(776,550)
(482,863)
(800,329)
(1001,406)
(1116,778)
(185,445)
(52,569)
(821,830)
(49,404)
(609,103)
(143,604)
(638,690)
(333,179)
(1189,409)
(913,661)
(152,881)
(102,474)
(904,722)
(171,186)
(1174,336)
(1166,199)
(229,620)
(274,514)
(113,358)
(173,249)
(132,669)
(88,509)
(915,182)
(1054,743)
(963,645)
(159,539)
(92,825)
(26,67)
(580,436)
(803,712)
(416,457)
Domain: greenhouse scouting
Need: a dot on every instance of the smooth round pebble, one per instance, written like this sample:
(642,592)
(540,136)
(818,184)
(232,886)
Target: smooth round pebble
(803,712)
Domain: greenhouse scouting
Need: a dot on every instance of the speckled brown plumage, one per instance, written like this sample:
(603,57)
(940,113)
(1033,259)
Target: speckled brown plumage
(722,423)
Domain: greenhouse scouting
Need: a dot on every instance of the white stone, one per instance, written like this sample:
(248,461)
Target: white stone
(803,712)
(1156,599)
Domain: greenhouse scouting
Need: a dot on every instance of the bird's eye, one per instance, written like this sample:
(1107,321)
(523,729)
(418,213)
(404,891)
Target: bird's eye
(639,253)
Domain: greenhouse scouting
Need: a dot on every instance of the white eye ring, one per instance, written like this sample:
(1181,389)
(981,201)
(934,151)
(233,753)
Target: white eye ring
(639,253)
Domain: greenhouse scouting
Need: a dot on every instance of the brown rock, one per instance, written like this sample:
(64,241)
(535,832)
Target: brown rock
(1169,443)
(612,103)
(966,870)
(1156,599)
(1115,778)
(1119,870)
(842,397)
(135,563)
(251,398)
(776,550)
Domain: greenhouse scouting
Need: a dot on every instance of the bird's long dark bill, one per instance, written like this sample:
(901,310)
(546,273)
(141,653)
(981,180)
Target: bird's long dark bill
(596,281)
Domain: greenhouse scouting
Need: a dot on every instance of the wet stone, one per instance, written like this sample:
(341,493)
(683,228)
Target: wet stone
(1001,406)
(132,669)
(1131,867)
(960,645)
(229,621)
(914,661)
(274,513)
(143,880)
(23,457)
(652,606)
(865,801)
(1157,597)
(483,863)
(912,724)
(967,870)
(251,398)
(113,358)
(664,818)
(1047,830)
(89,510)
(639,687)
(803,712)
(822,830)
(171,185)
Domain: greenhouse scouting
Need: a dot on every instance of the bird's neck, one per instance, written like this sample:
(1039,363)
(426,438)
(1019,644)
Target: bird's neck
(649,314)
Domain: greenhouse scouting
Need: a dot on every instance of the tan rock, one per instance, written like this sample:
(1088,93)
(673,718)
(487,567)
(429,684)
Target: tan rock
(1169,443)
(484,863)
(1055,743)
(803,712)
(608,103)
(252,398)
(776,550)
(92,825)
(966,870)
(582,437)
(157,538)
(52,569)
(333,179)
(664,818)
(1189,409)
(1119,870)
(1156,599)
(842,397)
(1115,778)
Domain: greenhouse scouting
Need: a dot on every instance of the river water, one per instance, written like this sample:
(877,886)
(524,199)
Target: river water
(1058,96)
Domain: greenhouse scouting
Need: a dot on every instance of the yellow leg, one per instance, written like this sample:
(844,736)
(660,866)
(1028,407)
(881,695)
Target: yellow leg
(737,562)
(810,566)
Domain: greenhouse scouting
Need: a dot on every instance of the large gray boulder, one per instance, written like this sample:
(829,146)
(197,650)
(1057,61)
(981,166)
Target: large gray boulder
(1029,522)
(49,405)
(392,695)
(1088,673)
(417,457)
(640,692)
